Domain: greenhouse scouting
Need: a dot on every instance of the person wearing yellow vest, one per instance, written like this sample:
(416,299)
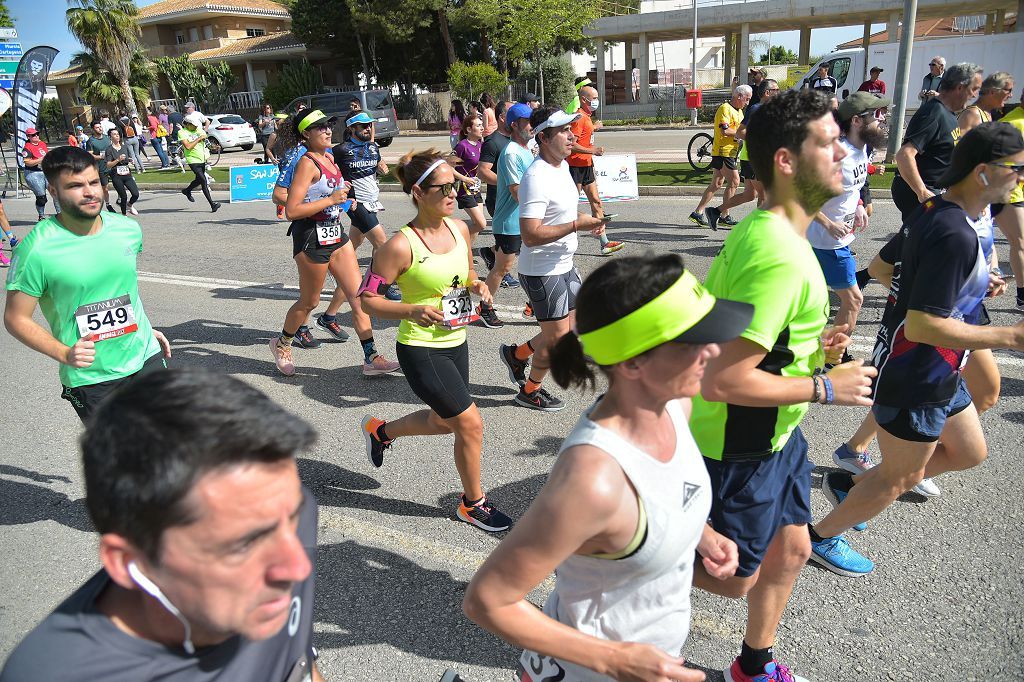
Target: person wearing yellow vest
(193,139)
(431,261)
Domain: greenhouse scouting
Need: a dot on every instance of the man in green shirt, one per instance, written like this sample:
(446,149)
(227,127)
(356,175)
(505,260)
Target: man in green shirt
(746,420)
(79,267)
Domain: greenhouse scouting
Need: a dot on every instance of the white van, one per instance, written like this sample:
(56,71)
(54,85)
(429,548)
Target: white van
(999,52)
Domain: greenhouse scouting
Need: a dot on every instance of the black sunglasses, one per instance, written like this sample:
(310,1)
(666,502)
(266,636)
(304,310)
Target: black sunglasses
(446,188)
(1015,167)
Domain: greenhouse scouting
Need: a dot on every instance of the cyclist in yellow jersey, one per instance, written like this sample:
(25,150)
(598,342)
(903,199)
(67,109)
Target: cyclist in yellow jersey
(431,261)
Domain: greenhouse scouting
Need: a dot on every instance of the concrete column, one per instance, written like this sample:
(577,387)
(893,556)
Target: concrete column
(600,69)
(250,79)
(744,53)
(893,26)
(805,45)
(727,58)
(644,66)
(989,23)
(867,51)
(1019,26)
(1001,20)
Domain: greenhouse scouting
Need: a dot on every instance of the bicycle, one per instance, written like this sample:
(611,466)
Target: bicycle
(698,151)
(176,150)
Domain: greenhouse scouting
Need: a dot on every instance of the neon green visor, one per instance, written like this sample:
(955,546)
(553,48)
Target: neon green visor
(685,312)
(308,117)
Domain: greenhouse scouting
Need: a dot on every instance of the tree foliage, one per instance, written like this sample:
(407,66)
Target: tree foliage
(468,81)
(559,79)
(297,79)
(5,15)
(109,30)
(208,84)
(221,80)
(99,87)
(778,55)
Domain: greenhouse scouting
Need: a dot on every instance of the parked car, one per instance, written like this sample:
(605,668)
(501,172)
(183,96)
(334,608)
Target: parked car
(376,103)
(231,130)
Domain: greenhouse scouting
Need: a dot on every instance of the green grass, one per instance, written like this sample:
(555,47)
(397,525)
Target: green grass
(666,174)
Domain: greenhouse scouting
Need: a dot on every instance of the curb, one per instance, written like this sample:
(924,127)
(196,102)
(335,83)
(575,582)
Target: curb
(645,190)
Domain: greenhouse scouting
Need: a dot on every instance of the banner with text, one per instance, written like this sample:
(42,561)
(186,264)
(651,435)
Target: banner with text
(616,178)
(29,88)
(252,183)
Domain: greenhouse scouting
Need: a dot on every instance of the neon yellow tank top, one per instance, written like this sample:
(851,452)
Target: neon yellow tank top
(428,278)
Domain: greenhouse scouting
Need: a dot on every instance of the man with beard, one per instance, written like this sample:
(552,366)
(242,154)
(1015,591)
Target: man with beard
(755,393)
(928,422)
(87,288)
(835,225)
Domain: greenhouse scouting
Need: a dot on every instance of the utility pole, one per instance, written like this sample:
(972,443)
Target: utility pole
(902,79)
(693,65)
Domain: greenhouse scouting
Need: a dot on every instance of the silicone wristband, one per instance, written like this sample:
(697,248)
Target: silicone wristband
(830,395)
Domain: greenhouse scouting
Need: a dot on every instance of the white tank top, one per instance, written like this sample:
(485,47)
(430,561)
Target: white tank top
(644,597)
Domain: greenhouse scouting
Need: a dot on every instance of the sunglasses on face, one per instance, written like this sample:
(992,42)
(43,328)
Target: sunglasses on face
(1015,167)
(934,64)
(446,188)
(772,90)
(363,125)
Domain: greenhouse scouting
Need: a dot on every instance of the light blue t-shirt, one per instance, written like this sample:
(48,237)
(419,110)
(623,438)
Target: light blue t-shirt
(289,162)
(512,164)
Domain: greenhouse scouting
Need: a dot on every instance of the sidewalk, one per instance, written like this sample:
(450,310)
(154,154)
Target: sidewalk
(645,190)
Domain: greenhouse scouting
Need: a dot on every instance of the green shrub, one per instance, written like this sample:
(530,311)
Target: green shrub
(297,79)
(469,81)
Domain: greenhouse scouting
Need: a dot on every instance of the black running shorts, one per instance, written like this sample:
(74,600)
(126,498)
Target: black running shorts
(438,376)
(362,219)
(304,240)
(85,399)
(582,175)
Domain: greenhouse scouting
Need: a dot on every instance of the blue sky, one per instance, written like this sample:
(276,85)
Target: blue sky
(41,22)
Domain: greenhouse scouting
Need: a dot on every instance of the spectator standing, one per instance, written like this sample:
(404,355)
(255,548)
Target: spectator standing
(822,82)
(874,85)
(490,118)
(456,114)
(158,135)
(266,125)
(930,84)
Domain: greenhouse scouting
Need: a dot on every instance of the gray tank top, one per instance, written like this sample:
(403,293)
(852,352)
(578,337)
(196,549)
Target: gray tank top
(644,597)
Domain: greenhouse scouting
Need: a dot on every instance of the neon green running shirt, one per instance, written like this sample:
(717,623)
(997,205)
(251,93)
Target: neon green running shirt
(765,263)
(88,285)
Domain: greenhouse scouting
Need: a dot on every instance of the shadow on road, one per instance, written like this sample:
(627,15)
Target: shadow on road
(25,502)
(371,596)
(334,486)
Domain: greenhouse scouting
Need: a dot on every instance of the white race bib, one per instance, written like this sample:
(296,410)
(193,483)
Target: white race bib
(457,308)
(328,232)
(106,319)
(123,170)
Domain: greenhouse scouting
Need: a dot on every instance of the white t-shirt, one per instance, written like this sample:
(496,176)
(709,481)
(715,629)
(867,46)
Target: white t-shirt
(841,209)
(106,125)
(549,193)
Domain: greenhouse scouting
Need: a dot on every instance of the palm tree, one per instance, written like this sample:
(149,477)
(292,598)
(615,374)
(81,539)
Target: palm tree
(99,86)
(109,31)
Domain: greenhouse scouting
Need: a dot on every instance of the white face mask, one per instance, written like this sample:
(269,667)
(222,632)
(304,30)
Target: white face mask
(594,104)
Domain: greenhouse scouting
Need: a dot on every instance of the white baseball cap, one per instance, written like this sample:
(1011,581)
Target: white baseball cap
(557,119)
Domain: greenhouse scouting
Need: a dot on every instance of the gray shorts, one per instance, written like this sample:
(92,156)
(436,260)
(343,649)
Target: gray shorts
(552,297)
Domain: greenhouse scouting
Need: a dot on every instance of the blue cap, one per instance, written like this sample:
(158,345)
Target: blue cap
(361,117)
(516,112)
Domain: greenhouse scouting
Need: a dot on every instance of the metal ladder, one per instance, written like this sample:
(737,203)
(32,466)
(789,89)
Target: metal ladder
(659,62)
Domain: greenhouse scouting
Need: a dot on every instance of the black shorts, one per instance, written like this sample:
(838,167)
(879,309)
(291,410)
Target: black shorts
(438,376)
(303,234)
(746,170)
(751,500)
(996,209)
(510,244)
(582,175)
(85,399)
(865,194)
(362,219)
(468,201)
(552,297)
(726,162)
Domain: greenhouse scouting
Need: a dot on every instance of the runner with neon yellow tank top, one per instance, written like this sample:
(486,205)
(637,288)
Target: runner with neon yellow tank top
(431,261)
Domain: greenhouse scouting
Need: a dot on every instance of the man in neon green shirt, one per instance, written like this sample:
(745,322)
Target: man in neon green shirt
(1011,219)
(79,267)
(724,150)
(193,141)
(755,393)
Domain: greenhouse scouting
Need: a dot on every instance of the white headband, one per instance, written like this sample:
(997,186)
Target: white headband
(430,170)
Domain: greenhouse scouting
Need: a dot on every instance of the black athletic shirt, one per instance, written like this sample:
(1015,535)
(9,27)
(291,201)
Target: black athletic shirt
(78,643)
(493,144)
(939,269)
(933,131)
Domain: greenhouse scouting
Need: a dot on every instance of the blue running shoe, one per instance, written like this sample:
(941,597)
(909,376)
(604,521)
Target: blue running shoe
(835,487)
(851,460)
(393,293)
(12,239)
(509,282)
(836,555)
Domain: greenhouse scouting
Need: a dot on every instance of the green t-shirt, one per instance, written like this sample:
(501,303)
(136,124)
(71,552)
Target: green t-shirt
(88,284)
(765,263)
(197,154)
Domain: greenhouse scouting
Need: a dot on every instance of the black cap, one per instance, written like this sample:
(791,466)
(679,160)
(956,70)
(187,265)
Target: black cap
(529,97)
(982,144)
(724,322)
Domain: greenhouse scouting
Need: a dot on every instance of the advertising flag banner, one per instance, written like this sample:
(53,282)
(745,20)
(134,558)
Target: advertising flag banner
(29,88)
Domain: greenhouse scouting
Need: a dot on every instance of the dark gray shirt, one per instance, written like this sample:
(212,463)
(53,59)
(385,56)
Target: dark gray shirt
(79,643)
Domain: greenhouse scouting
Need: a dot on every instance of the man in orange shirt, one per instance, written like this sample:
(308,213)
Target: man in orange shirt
(581,161)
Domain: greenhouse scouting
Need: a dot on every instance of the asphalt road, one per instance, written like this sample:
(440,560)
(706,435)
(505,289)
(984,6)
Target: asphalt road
(944,603)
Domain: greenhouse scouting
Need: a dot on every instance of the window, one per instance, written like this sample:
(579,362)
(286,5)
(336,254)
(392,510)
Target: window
(193,35)
(840,68)
(179,38)
(377,100)
(208,32)
(254,32)
(231,119)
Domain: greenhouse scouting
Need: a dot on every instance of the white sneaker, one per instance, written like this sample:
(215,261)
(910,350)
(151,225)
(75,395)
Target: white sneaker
(927,488)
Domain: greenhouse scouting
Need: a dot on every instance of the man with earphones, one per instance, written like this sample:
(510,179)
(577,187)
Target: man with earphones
(207,542)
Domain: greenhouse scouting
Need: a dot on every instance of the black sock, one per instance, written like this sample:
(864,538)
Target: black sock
(753,661)
(841,481)
(814,534)
(863,278)
(1020,293)
(369,350)
(382,435)
(471,503)
(327,319)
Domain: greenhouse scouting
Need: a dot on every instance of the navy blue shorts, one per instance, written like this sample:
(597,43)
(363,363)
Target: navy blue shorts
(922,424)
(752,500)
